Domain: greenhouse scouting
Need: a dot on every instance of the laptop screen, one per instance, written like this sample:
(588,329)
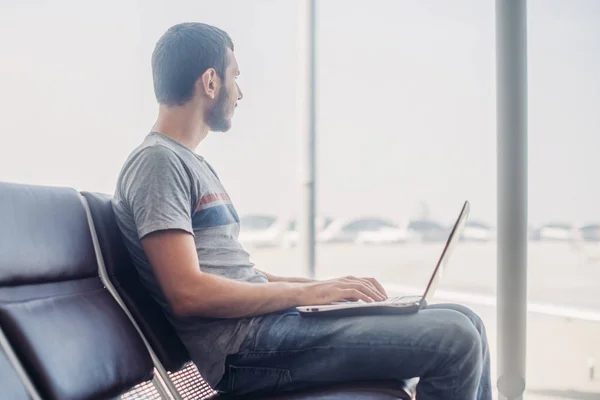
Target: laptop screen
(455,234)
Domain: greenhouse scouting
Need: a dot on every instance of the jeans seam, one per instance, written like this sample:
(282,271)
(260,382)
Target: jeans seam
(360,346)
(249,354)
(281,372)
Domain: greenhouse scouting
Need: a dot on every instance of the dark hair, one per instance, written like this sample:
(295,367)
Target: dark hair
(182,55)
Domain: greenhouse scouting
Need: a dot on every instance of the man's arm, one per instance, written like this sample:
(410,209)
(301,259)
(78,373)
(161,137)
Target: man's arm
(157,189)
(369,281)
(274,278)
(189,291)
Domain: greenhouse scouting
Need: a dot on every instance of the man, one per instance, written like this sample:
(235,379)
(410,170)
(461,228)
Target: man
(239,324)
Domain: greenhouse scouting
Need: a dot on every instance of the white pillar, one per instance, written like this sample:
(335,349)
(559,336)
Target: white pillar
(511,64)
(306,130)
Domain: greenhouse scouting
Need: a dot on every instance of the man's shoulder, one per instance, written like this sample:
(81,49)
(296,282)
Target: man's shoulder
(153,153)
(153,158)
(153,148)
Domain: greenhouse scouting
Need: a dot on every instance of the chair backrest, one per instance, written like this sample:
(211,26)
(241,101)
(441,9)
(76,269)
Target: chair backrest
(122,273)
(73,339)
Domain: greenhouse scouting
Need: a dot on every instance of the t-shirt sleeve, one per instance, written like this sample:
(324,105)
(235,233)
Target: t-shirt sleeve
(157,189)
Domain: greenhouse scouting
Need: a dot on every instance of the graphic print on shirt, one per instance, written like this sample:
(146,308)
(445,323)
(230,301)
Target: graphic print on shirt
(215,209)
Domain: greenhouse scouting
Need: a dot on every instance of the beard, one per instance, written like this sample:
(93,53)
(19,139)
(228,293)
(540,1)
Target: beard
(217,115)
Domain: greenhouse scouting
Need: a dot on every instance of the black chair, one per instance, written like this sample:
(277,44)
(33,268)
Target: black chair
(14,383)
(172,360)
(72,338)
(162,336)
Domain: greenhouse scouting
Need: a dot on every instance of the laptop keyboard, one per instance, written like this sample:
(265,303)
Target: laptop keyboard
(392,299)
(397,299)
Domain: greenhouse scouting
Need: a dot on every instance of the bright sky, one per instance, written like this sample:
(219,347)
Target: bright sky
(406,101)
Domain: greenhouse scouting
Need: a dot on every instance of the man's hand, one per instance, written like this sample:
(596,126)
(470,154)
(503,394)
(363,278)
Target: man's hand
(348,288)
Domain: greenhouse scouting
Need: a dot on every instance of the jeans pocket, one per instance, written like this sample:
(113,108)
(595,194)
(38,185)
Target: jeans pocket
(244,380)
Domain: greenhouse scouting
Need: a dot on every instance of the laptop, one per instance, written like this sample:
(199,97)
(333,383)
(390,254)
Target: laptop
(401,304)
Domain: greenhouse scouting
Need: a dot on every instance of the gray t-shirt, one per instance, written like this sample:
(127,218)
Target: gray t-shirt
(165,185)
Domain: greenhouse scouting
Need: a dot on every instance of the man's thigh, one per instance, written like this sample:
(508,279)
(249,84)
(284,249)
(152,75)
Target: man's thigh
(288,351)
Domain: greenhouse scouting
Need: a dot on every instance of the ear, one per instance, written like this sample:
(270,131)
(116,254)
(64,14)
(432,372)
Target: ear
(207,83)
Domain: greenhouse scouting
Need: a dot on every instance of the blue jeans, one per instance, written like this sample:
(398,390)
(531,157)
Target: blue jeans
(444,345)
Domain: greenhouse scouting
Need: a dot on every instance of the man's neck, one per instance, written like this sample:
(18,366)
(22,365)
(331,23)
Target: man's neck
(182,124)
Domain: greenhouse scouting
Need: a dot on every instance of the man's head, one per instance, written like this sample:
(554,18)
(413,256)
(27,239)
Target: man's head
(193,64)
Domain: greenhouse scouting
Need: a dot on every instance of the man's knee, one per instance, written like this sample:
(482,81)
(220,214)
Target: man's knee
(465,342)
(452,346)
(458,338)
(466,311)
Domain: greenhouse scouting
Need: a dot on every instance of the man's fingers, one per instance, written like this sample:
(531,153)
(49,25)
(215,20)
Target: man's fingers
(379,294)
(369,290)
(356,295)
(373,286)
(370,282)
(376,283)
